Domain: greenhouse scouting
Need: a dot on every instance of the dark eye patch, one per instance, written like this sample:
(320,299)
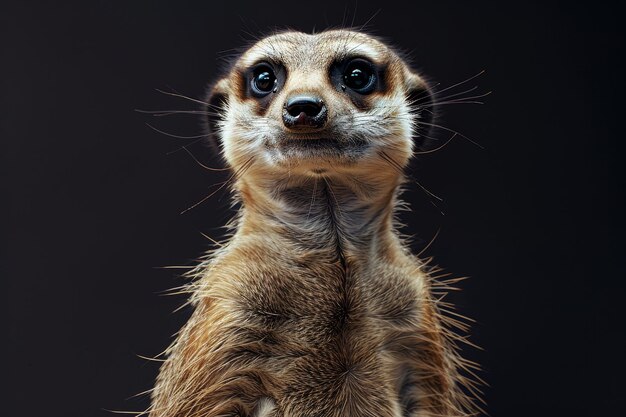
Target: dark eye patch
(358,77)
(262,80)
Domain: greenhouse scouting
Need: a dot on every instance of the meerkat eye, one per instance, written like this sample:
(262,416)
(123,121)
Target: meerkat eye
(263,80)
(360,76)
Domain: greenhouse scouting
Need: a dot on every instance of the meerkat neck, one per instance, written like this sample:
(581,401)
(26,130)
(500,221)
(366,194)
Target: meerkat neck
(352,216)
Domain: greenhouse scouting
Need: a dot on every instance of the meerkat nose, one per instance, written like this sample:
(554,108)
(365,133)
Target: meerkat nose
(304,112)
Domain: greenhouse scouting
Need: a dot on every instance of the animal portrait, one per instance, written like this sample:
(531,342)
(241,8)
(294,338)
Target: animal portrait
(314,305)
(318,209)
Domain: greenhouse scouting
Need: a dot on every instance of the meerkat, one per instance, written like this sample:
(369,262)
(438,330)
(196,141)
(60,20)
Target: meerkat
(315,306)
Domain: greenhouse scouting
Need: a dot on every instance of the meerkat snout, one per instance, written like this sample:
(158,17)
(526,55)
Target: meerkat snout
(304,111)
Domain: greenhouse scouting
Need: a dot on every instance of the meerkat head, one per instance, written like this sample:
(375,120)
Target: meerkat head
(329,104)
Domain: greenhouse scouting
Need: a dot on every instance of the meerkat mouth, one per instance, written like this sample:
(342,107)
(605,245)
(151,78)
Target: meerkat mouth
(314,144)
(319,149)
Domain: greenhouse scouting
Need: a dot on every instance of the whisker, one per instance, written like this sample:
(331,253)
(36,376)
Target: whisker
(429,243)
(446,97)
(206,135)
(177,94)
(170,112)
(437,148)
(393,163)
(221,185)
(428,192)
(135,413)
(312,198)
(449,96)
(201,164)
(447,103)
(451,131)
(460,83)
(238,173)
(369,20)
(181,148)
(356,7)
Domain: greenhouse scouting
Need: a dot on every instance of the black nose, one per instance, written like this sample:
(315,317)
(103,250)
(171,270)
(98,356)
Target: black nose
(304,112)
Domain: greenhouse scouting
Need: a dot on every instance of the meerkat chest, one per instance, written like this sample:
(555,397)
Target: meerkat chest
(316,322)
(313,298)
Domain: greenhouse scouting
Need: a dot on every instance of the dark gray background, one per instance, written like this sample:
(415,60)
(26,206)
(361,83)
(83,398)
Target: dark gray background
(91,196)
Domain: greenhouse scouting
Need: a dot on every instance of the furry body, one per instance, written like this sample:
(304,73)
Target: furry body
(314,307)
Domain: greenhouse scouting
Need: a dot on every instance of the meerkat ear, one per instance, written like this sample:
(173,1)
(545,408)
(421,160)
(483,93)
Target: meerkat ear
(422,102)
(216,101)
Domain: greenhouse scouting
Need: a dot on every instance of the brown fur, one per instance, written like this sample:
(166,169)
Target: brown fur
(315,307)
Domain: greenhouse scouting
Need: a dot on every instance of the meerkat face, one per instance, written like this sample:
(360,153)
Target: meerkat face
(323,104)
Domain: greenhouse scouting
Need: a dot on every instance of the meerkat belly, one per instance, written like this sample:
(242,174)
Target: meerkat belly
(326,332)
